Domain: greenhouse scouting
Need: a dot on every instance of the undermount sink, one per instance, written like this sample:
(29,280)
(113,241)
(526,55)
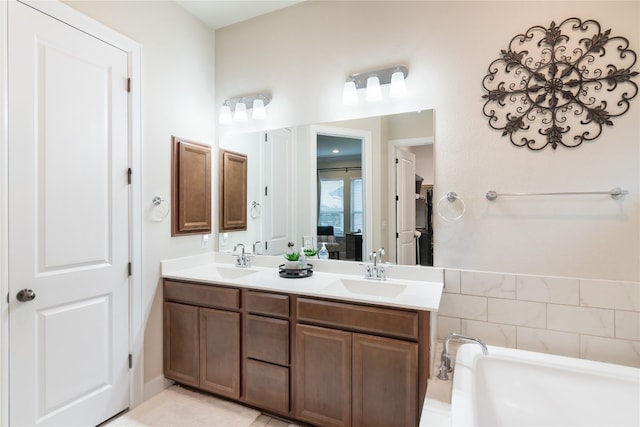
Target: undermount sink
(366,287)
(232,272)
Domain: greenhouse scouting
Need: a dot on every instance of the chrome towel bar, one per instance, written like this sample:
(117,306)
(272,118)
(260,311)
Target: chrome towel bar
(615,193)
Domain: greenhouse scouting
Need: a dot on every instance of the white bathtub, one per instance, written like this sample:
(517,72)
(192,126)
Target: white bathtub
(522,388)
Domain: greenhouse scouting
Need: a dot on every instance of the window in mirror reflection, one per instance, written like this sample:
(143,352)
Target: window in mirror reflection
(356,205)
(331,204)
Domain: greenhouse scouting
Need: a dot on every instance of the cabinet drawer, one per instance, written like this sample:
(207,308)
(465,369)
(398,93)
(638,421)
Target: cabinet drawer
(201,295)
(360,318)
(267,303)
(267,339)
(267,386)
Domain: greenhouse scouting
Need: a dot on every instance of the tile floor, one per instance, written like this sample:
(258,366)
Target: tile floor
(178,406)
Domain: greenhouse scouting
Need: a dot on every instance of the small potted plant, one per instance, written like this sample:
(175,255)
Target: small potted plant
(292,261)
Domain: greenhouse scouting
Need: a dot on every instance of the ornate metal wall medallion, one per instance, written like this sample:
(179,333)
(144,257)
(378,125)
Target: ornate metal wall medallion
(559,85)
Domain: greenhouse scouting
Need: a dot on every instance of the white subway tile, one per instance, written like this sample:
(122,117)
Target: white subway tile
(582,320)
(610,350)
(488,284)
(628,325)
(452,281)
(463,306)
(556,290)
(447,325)
(490,333)
(520,313)
(546,341)
(610,294)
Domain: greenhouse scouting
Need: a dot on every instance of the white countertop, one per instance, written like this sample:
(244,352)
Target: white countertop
(412,287)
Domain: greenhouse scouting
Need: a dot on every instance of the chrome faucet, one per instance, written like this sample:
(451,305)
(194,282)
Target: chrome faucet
(243,260)
(445,357)
(375,271)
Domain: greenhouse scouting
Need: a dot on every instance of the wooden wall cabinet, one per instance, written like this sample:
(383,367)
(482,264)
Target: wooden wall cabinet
(233,191)
(190,187)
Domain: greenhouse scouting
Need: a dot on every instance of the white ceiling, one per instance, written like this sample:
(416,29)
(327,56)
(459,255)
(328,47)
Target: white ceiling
(220,13)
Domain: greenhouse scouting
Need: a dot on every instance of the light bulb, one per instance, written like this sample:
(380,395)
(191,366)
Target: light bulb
(259,112)
(373,89)
(225,115)
(240,115)
(398,86)
(350,93)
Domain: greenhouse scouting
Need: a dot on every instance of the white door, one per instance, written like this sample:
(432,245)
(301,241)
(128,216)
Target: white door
(278,179)
(68,223)
(405,207)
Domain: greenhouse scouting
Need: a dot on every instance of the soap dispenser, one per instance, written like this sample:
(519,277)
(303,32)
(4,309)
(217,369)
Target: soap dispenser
(323,253)
(302,259)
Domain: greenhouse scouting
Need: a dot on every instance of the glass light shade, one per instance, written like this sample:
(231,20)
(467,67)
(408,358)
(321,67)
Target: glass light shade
(225,115)
(259,112)
(373,89)
(240,115)
(398,86)
(350,93)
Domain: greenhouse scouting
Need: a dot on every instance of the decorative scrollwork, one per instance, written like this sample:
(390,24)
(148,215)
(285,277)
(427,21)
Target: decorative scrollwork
(548,88)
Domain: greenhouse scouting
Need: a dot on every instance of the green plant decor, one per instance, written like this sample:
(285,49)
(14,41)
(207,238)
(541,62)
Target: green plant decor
(294,256)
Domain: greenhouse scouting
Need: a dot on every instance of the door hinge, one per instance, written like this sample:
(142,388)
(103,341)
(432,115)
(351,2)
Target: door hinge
(129,269)
(129,174)
(129,84)
(130,360)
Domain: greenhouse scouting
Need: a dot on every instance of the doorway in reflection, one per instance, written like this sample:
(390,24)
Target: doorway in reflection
(340,194)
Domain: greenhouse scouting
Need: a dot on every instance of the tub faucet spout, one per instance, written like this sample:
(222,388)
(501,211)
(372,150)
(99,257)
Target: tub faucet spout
(445,357)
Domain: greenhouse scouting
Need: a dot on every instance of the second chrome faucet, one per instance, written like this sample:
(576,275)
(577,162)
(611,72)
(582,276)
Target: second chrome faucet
(375,271)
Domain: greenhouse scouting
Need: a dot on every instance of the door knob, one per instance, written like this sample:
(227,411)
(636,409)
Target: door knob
(25,295)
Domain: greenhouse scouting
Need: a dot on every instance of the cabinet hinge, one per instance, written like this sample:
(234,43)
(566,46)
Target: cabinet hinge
(397,235)
(129,269)
(265,190)
(265,137)
(397,198)
(266,247)
(396,161)
(130,360)
(129,174)
(129,84)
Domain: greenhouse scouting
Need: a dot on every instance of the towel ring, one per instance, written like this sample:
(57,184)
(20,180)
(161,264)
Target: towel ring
(454,209)
(255,209)
(159,208)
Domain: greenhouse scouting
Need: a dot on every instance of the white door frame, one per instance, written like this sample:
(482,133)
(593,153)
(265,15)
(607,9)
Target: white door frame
(72,17)
(367,177)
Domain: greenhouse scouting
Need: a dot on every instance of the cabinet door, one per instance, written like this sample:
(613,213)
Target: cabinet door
(181,343)
(220,352)
(323,376)
(385,382)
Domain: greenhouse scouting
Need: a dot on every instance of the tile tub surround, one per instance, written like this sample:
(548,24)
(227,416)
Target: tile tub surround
(585,318)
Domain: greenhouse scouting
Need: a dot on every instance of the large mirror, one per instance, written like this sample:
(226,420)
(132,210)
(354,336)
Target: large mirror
(367,181)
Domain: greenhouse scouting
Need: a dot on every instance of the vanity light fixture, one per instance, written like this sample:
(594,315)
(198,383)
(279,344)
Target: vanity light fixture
(372,81)
(225,114)
(240,115)
(240,105)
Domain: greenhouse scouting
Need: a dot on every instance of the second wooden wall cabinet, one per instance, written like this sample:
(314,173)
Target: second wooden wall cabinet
(323,362)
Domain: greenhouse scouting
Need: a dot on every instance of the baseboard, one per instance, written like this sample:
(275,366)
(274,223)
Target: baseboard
(155,386)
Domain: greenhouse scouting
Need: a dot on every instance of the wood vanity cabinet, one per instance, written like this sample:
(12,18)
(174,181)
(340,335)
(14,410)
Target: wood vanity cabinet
(202,336)
(320,361)
(357,365)
(267,347)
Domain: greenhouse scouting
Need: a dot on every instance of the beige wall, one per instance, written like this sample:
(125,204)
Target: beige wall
(177,78)
(303,61)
